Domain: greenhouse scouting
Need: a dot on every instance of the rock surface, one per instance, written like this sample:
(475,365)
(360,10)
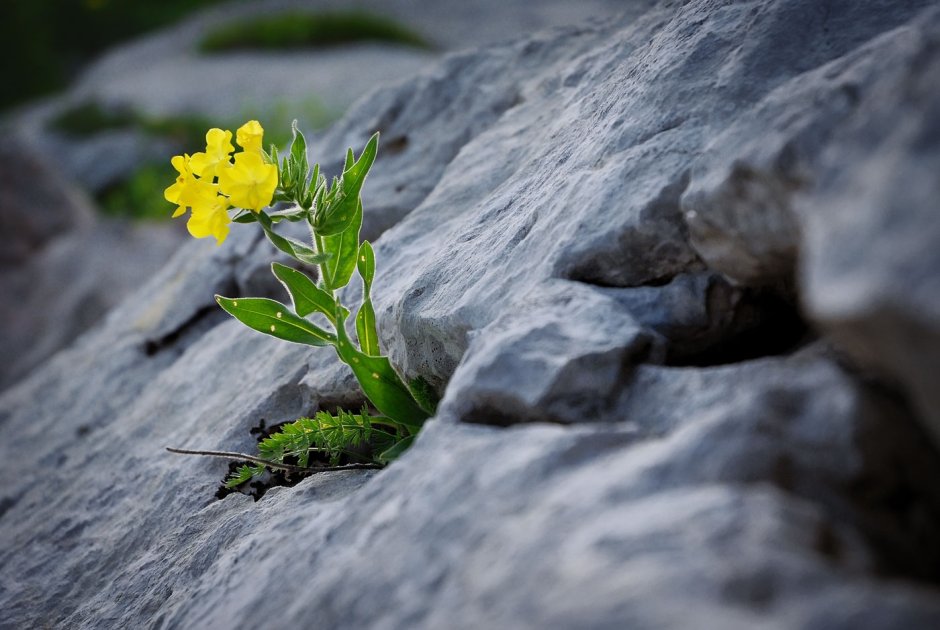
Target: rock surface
(613,228)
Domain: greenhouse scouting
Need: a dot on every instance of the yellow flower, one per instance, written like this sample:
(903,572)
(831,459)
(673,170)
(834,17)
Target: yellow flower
(210,213)
(215,158)
(250,183)
(184,182)
(249,136)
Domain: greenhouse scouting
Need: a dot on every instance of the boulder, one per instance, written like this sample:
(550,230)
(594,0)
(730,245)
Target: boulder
(606,246)
(62,267)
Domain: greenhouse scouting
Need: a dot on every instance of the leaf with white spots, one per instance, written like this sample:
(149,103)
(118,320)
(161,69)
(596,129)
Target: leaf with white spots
(275,319)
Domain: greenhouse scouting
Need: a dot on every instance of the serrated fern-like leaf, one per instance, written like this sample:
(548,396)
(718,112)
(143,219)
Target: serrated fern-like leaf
(244,474)
(329,434)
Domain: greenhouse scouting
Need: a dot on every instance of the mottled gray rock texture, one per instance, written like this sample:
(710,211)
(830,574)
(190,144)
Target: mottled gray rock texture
(667,273)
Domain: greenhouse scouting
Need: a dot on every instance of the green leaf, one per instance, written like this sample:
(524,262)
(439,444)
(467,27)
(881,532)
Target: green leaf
(298,147)
(310,194)
(344,248)
(424,394)
(366,266)
(397,449)
(339,212)
(355,174)
(379,381)
(305,294)
(294,249)
(286,179)
(365,329)
(275,319)
(296,213)
(244,474)
(365,318)
(245,217)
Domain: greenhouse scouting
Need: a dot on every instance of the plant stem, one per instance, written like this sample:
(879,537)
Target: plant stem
(242,457)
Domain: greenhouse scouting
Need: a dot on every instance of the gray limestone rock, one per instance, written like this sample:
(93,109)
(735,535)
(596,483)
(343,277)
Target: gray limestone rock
(36,204)
(598,226)
(872,238)
(62,268)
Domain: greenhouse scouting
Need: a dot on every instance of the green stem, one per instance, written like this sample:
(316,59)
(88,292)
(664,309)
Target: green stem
(319,247)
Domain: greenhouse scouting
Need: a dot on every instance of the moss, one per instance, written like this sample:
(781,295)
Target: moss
(310,30)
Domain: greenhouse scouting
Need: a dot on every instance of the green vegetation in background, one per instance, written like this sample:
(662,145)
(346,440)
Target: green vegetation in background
(47,41)
(140,195)
(89,118)
(310,30)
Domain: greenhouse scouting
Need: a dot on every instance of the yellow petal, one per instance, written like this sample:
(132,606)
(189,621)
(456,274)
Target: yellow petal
(210,221)
(181,163)
(250,182)
(249,136)
(219,142)
(200,163)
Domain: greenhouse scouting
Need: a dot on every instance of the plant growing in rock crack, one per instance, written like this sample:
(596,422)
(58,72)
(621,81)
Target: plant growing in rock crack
(220,188)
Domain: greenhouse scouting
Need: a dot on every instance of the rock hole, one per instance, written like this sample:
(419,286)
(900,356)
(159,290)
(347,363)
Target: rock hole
(5,504)
(395,145)
(198,323)
(746,324)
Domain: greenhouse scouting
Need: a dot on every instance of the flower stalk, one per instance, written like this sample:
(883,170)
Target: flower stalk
(218,187)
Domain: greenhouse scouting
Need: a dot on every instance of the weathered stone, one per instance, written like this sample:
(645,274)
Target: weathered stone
(36,204)
(872,239)
(71,285)
(536,259)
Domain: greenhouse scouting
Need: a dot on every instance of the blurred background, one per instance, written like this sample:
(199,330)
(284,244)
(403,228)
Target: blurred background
(101,93)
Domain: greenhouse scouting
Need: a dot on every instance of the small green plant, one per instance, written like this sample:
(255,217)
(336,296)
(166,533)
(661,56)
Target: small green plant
(309,30)
(213,184)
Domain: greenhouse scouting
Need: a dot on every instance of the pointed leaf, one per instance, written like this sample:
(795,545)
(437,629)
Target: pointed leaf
(344,248)
(275,319)
(294,249)
(295,213)
(355,174)
(397,449)
(306,295)
(379,381)
(245,217)
(365,329)
(339,213)
(298,148)
(366,266)
(424,394)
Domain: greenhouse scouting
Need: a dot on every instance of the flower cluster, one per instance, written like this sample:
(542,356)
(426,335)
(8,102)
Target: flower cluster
(211,182)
